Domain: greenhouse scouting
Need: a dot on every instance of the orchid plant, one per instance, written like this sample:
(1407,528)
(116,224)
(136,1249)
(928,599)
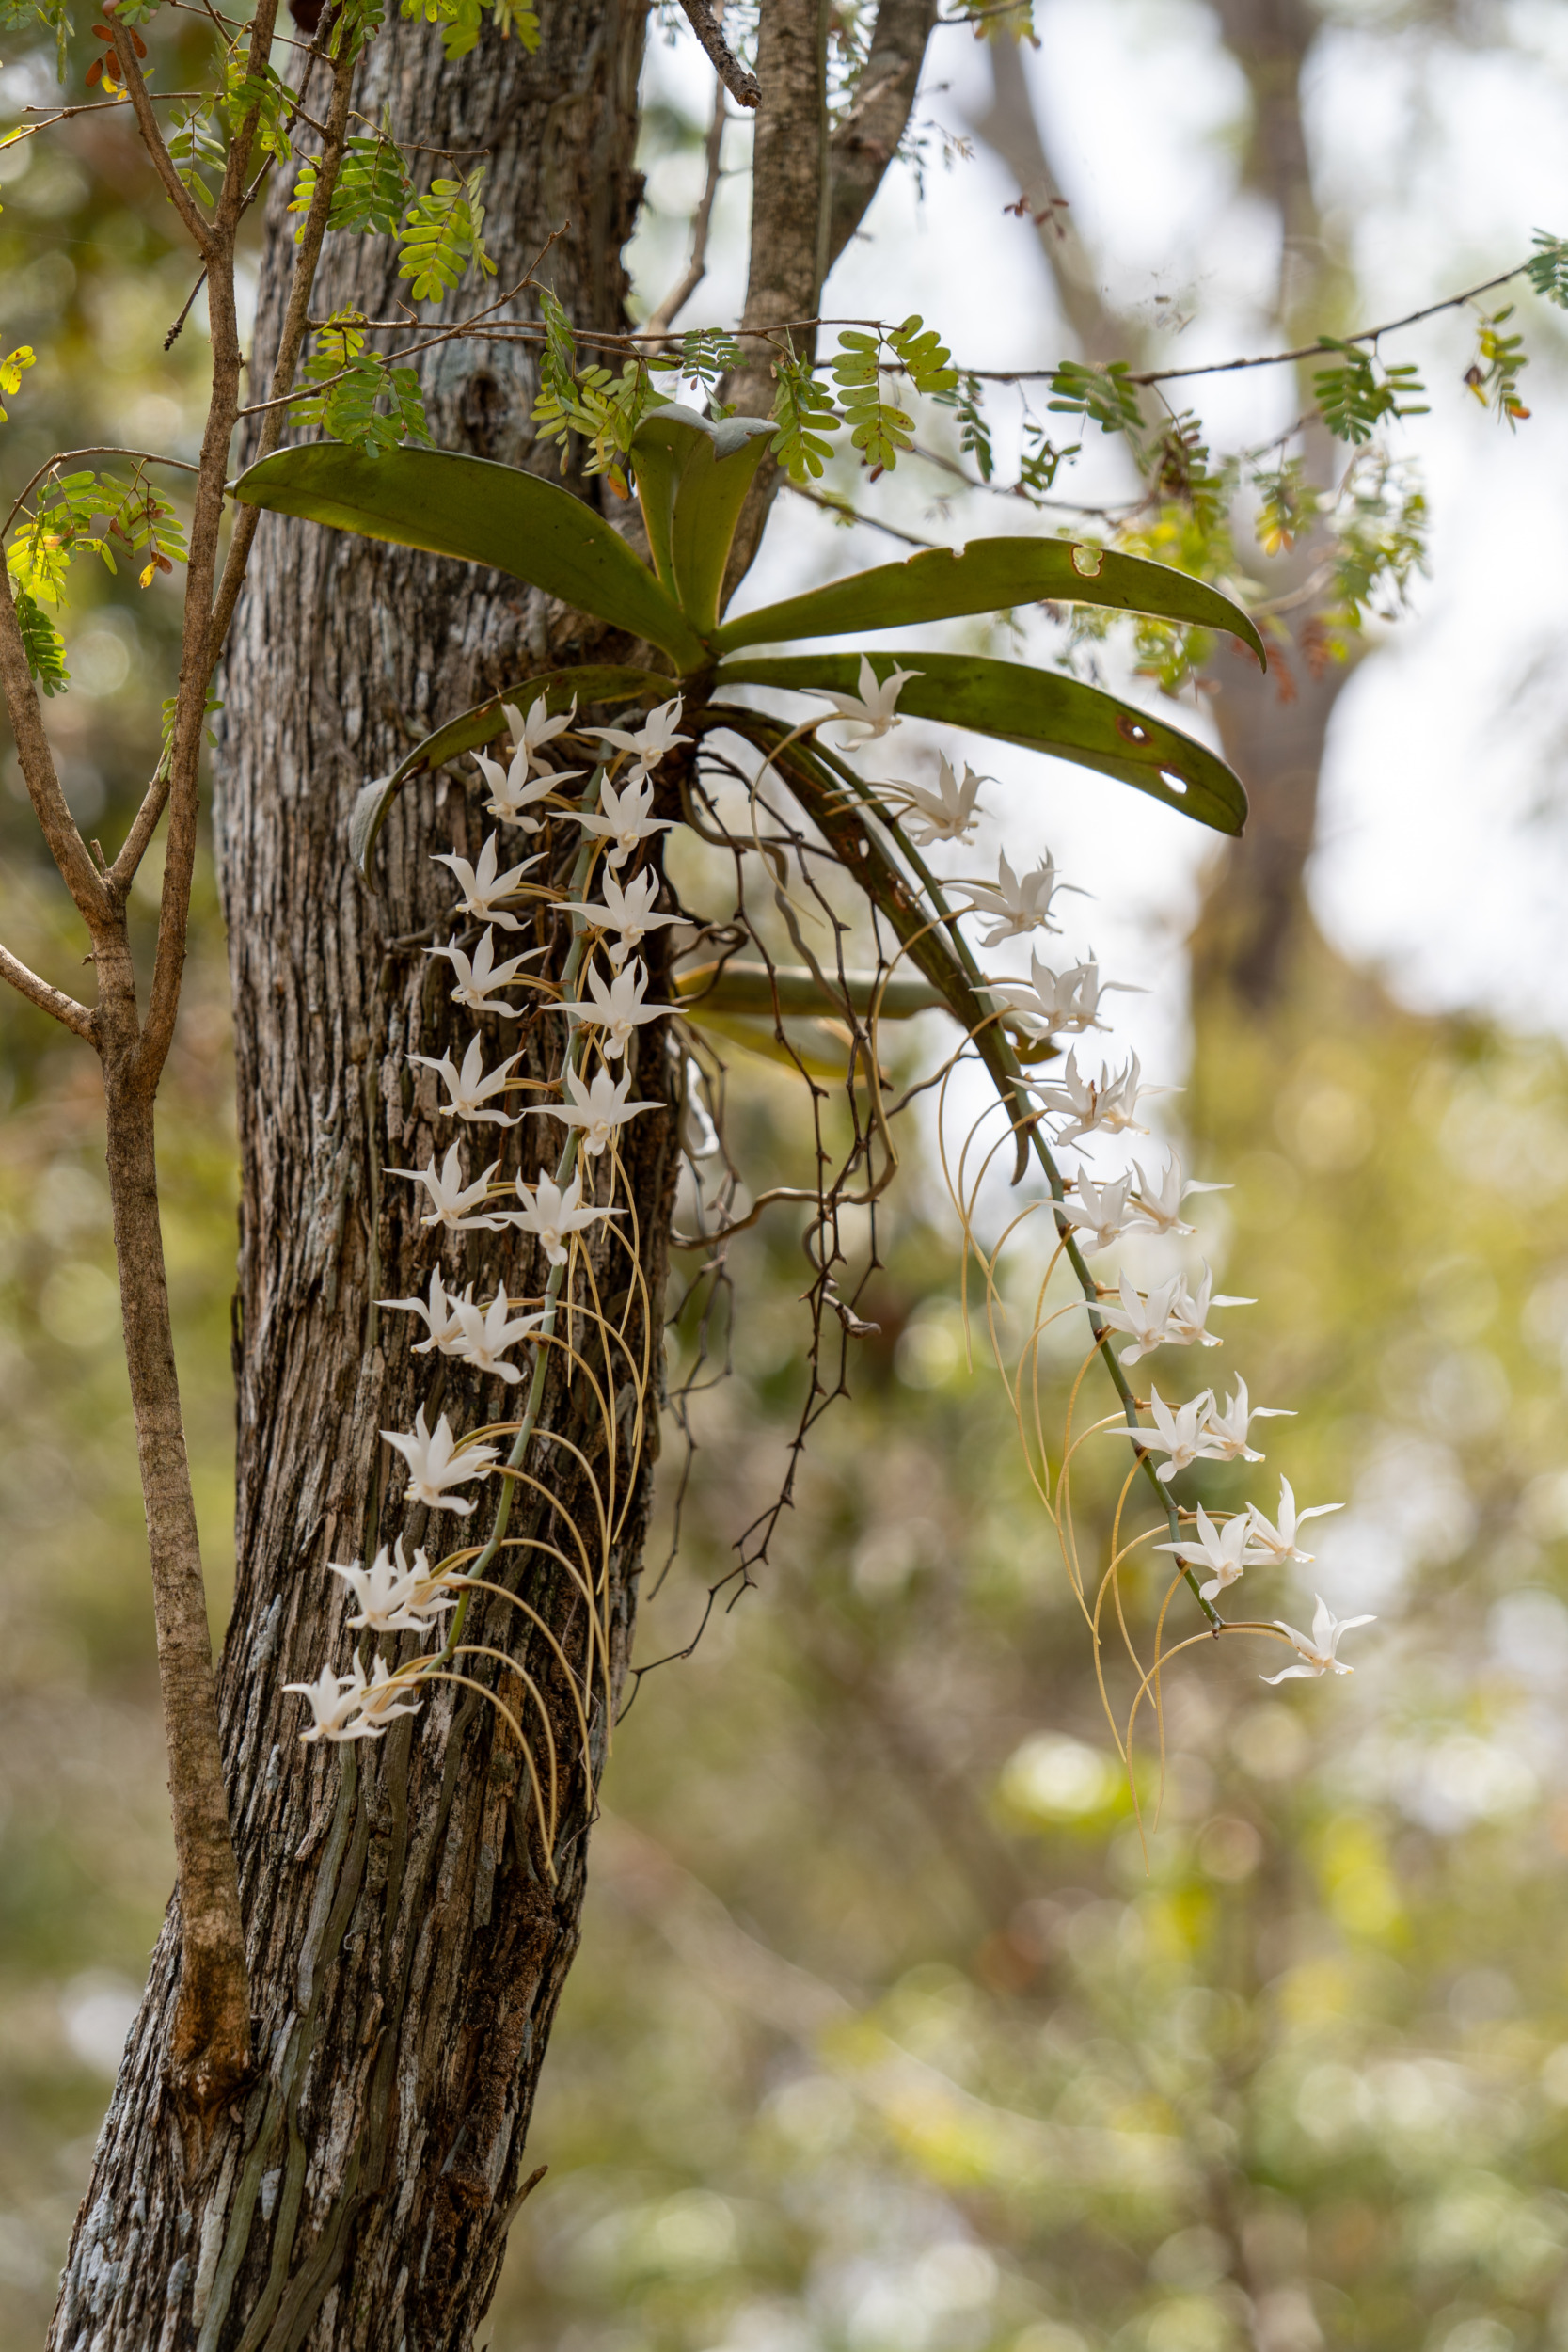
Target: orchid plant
(807,806)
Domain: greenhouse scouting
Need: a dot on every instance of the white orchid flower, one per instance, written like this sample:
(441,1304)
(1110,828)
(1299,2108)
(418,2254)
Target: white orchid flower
(1319,1656)
(628,912)
(1096,1213)
(622,817)
(1190,1311)
(469,1088)
(618,1010)
(554,1216)
(1157,1200)
(452,1202)
(512,791)
(650,742)
(436,1464)
(1273,1544)
(1057,1004)
(1178,1434)
(439,1312)
(1015,904)
(1147,1319)
(382,1700)
(875,709)
(599,1109)
(334,1703)
(1102,1106)
(533,728)
(483,886)
(950,813)
(394,1597)
(477,979)
(1221,1549)
(486,1333)
(1224,1432)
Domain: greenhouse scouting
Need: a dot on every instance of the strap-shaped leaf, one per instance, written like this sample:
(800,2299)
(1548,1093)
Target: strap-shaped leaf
(990,576)
(481,725)
(1038,708)
(482,513)
(692,476)
(751,989)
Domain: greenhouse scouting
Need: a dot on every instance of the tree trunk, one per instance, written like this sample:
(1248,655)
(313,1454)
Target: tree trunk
(407,1939)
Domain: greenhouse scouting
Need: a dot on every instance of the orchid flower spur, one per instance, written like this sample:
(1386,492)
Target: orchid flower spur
(1318,1655)
(439,1312)
(650,742)
(453,1203)
(1220,1549)
(628,912)
(1224,1432)
(950,813)
(483,886)
(618,1010)
(553,1216)
(1096,1213)
(600,1109)
(478,978)
(1272,1543)
(1015,904)
(1178,1434)
(394,1597)
(1157,1200)
(875,709)
(437,1463)
(623,818)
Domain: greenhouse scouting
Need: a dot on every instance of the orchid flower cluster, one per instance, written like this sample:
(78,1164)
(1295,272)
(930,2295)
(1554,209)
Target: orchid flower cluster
(394,1595)
(1092,1212)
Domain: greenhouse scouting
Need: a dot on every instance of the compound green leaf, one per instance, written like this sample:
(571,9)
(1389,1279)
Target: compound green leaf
(1038,708)
(481,513)
(990,576)
(481,725)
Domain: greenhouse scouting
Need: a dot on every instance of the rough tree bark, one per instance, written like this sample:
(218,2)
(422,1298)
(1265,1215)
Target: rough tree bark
(407,1944)
(407,1940)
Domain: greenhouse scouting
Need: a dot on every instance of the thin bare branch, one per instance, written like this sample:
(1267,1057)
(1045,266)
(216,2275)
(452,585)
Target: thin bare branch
(743,87)
(48,999)
(162,160)
(866,142)
(196,665)
(290,342)
(66,845)
(696,269)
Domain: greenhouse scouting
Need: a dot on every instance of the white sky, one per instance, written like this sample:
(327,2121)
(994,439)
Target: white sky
(1435,858)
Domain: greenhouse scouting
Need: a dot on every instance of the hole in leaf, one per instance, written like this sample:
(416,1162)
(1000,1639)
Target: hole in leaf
(1087,561)
(1177,784)
(1132,729)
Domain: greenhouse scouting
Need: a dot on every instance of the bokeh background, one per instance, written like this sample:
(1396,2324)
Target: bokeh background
(890,2033)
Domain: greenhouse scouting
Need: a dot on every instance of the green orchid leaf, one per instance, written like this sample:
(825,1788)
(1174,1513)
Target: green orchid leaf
(482,513)
(692,476)
(1038,708)
(990,576)
(472,728)
(751,989)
